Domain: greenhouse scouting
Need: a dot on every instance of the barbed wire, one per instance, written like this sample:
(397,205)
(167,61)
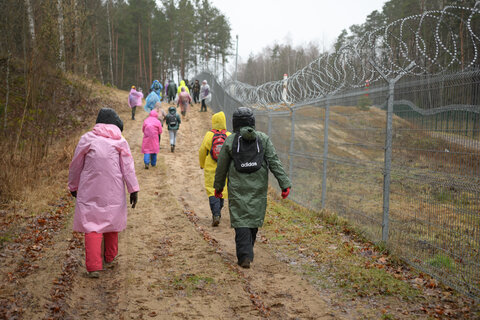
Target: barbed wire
(430,43)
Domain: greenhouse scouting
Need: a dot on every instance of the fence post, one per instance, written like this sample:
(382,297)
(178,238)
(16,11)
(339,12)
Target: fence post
(388,161)
(269,124)
(388,148)
(325,152)
(292,138)
(224,100)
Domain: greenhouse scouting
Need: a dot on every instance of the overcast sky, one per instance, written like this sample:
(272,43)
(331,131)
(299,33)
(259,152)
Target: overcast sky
(260,23)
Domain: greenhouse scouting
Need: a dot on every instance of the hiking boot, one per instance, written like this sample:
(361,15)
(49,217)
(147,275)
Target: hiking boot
(245,263)
(172,148)
(215,221)
(146,166)
(93,274)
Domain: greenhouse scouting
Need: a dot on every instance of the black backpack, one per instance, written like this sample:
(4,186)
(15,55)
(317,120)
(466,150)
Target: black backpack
(172,120)
(248,156)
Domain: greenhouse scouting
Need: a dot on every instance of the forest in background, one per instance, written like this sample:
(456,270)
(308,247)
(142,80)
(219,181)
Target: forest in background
(117,42)
(278,59)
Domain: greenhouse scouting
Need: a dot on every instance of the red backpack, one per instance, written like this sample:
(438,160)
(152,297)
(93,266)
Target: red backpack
(218,139)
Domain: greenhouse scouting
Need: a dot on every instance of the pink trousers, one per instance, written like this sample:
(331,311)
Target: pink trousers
(93,249)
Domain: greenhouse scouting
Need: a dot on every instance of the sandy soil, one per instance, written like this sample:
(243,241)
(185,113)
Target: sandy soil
(172,263)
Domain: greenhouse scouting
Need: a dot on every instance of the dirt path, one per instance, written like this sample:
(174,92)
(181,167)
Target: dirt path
(172,263)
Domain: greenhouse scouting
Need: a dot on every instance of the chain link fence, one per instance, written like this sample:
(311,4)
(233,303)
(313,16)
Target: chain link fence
(389,141)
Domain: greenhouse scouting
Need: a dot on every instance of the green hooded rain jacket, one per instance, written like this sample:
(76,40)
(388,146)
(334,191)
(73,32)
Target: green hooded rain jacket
(247,192)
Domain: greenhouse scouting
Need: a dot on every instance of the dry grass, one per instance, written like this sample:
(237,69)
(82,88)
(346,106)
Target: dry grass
(434,195)
(31,182)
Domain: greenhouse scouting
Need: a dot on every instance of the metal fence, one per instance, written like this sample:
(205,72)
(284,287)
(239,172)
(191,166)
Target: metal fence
(400,158)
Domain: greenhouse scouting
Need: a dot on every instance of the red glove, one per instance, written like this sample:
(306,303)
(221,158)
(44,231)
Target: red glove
(218,194)
(285,193)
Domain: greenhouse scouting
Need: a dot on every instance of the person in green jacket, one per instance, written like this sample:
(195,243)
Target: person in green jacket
(245,158)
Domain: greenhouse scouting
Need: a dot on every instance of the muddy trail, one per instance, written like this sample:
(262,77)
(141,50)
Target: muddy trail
(172,263)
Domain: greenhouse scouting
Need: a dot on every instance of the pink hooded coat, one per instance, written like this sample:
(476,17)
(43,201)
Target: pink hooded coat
(152,127)
(135,98)
(100,168)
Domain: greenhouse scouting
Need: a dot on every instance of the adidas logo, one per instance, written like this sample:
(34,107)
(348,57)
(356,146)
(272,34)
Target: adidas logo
(248,164)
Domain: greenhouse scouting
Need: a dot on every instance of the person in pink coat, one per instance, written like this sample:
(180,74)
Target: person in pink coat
(135,100)
(101,167)
(184,100)
(152,129)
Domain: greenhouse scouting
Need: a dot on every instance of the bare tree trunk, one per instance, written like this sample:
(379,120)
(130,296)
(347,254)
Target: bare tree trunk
(139,54)
(182,55)
(100,66)
(8,93)
(144,63)
(150,55)
(121,77)
(31,21)
(116,58)
(29,84)
(76,38)
(61,38)
(206,44)
(109,43)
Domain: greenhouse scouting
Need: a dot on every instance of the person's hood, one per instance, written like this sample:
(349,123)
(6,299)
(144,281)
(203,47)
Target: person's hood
(182,83)
(219,122)
(133,90)
(154,113)
(172,110)
(107,130)
(170,81)
(248,133)
(243,117)
(109,116)
(157,84)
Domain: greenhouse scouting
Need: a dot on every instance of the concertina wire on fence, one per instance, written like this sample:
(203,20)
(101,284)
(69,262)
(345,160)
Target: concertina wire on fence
(409,176)
(388,49)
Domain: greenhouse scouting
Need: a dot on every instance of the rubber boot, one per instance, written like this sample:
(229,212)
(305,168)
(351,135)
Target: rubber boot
(215,221)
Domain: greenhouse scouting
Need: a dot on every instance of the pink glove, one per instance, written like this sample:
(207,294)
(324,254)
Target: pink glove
(218,194)
(285,193)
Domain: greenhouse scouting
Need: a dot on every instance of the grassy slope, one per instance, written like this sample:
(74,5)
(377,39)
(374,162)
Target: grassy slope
(334,256)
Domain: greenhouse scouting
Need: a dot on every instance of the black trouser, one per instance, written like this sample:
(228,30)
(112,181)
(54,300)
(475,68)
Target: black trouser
(244,242)
(171,97)
(216,205)
(196,97)
(203,105)
(133,112)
